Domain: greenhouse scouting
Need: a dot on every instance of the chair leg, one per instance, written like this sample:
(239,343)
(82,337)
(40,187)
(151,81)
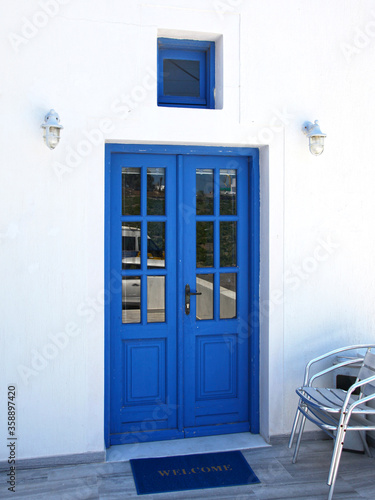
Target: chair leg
(330,493)
(295,424)
(336,455)
(298,443)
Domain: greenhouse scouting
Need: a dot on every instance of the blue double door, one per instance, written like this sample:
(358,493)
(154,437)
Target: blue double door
(180,355)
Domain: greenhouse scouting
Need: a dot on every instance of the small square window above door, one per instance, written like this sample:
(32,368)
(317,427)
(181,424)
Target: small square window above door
(186,73)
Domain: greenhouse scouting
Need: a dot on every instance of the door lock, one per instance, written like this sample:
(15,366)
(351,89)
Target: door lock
(187,298)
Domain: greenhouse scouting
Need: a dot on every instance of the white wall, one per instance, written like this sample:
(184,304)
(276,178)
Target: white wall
(315,61)
(280,60)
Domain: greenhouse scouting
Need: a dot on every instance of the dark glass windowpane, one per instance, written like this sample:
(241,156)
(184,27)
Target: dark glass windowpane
(181,78)
(205,191)
(155,191)
(155,245)
(131,245)
(228,244)
(228,192)
(205,244)
(131,191)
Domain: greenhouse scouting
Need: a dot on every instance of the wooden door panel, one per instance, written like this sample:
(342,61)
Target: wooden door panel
(216,263)
(144,339)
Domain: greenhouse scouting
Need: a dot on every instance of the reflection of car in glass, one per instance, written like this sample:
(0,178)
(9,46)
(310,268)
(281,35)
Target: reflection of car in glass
(131,292)
(131,250)
(131,259)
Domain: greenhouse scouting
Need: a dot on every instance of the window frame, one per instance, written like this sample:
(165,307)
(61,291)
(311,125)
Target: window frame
(196,50)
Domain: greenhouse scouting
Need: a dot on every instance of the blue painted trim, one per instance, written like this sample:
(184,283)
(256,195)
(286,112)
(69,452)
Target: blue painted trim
(181,150)
(254,287)
(107,323)
(138,437)
(194,50)
(180,299)
(214,430)
(175,43)
(210,79)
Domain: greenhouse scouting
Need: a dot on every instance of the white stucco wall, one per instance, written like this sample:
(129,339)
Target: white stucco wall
(279,64)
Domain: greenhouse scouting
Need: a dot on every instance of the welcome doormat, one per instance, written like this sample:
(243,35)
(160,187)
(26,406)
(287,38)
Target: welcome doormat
(191,472)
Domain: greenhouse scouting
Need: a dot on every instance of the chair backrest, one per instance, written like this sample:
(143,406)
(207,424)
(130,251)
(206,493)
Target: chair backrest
(367,370)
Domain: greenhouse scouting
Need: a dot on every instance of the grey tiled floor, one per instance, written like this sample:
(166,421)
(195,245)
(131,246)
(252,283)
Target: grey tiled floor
(280,479)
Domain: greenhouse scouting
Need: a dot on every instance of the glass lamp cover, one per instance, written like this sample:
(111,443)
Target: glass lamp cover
(52,137)
(316,145)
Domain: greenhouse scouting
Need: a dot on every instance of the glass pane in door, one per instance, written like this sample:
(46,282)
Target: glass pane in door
(228,244)
(131,299)
(131,245)
(131,191)
(204,183)
(228,192)
(155,191)
(228,295)
(205,244)
(155,299)
(205,301)
(155,245)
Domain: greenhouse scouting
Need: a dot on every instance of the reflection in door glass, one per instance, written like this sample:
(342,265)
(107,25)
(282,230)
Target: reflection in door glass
(228,295)
(205,244)
(131,191)
(155,245)
(205,191)
(228,244)
(228,192)
(131,299)
(155,299)
(205,302)
(155,191)
(131,245)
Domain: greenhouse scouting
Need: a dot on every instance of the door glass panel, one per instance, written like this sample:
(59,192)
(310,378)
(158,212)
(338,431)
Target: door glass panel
(228,192)
(228,244)
(131,191)
(131,299)
(155,245)
(181,77)
(228,295)
(205,191)
(205,302)
(155,191)
(155,299)
(131,245)
(205,244)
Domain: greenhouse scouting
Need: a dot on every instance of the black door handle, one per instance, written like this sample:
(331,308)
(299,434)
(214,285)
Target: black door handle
(187,298)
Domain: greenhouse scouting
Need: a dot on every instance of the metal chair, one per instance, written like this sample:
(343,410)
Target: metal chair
(337,411)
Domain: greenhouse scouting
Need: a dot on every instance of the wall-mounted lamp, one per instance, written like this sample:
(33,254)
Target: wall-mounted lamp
(316,137)
(52,129)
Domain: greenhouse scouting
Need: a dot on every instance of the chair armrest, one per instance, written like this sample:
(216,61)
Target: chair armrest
(332,353)
(333,368)
(361,400)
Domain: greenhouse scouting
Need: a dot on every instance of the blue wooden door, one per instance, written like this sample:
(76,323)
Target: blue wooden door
(143,371)
(216,266)
(178,363)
